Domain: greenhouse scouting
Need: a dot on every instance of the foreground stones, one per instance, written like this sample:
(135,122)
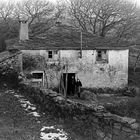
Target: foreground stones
(47,132)
(125,124)
(68,108)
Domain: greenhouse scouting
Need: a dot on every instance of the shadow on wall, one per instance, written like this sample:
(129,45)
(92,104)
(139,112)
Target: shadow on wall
(2,44)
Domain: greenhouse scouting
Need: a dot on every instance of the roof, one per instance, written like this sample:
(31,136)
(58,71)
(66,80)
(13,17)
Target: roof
(64,38)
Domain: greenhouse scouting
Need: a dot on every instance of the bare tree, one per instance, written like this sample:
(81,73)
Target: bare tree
(8,25)
(34,10)
(60,10)
(101,16)
(6,10)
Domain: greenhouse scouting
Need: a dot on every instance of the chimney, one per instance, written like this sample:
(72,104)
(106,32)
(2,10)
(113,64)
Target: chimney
(23,33)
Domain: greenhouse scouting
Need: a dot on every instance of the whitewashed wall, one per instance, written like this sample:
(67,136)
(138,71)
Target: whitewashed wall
(113,74)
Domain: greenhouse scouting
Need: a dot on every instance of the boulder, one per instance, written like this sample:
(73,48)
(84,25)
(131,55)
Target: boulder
(123,119)
(128,120)
(59,99)
(131,91)
(135,126)
(99,108)
(52,93)
(89,96)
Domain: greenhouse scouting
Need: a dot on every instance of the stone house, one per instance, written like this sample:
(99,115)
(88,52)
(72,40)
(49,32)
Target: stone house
(96,61)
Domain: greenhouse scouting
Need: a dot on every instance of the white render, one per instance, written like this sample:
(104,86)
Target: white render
(24,35)
(92,74)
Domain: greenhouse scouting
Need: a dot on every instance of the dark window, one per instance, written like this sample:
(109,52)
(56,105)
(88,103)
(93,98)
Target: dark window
(37,75)
(99,55)
(102,56)
(50,54)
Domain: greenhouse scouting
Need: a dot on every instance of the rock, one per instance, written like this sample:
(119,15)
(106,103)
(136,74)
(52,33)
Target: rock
(99,108)
(100,133)
(52,93)
(59,94)
(109,137)
(89,96)
(20,77)
(131,91)
(107,114)
(128,120)
(117,125)
(126,129)
(45,92)
(59,99)
(135,126)
(106,95)
(123,119)
(135,137)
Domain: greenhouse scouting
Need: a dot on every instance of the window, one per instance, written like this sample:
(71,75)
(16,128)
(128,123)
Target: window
(37,77)
(50,54)
(55,52)
(102,56)
(80,54)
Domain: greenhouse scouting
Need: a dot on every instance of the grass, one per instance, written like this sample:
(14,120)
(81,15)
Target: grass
(123,105)
(130,108)
(15,124)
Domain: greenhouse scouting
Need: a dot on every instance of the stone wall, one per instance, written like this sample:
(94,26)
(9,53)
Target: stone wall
(12,60)
(10,67)
(101,125)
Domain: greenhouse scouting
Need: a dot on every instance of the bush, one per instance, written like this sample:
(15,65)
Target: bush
(33,62)
(87,95)
(9,77)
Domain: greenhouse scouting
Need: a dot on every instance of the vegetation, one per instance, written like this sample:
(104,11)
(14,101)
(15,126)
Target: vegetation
(106,18)
(130,108)
(8,75)
(31,62)
(35,11)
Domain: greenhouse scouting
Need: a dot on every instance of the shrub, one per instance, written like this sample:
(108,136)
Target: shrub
(87,95)
(33,62)
(9,77)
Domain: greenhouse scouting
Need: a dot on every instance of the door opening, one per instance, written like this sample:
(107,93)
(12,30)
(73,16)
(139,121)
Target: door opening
(70,83)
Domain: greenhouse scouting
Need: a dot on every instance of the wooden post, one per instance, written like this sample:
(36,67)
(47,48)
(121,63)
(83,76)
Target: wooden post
(81,43)
(43,80)
(66,85)
(21,62)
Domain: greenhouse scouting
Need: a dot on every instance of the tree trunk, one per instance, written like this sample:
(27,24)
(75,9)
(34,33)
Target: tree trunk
(135,65)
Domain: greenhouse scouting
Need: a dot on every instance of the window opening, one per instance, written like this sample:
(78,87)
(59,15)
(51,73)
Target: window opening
(102,56)
(50,54)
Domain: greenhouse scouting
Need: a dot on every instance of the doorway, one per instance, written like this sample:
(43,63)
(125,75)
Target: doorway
(70,83)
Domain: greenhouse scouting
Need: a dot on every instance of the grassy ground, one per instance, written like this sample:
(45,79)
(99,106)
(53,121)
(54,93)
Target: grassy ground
(124,105)
(15,124)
